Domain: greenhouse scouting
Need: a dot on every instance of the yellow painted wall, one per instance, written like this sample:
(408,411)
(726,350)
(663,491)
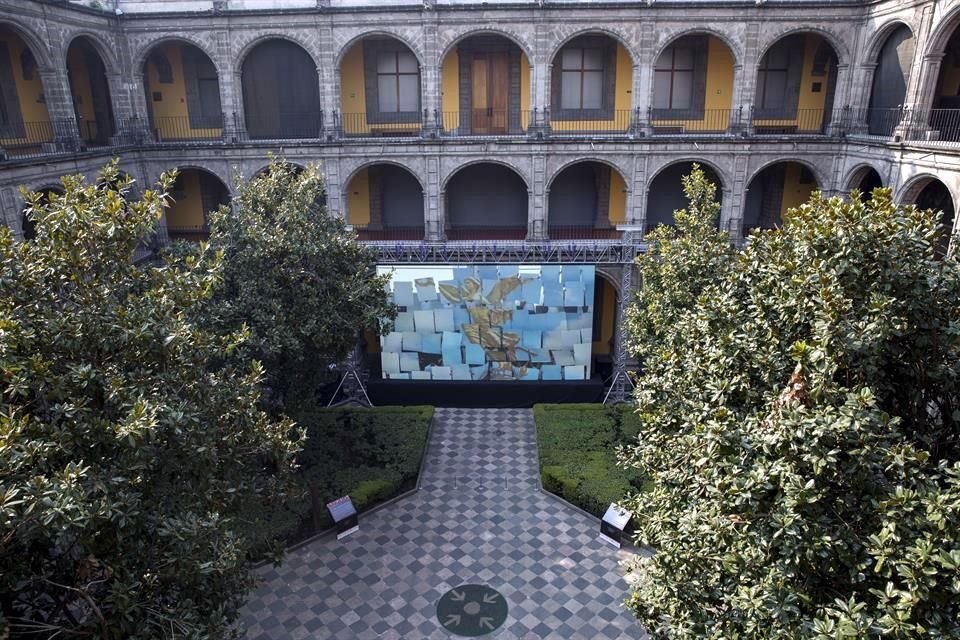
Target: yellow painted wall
(171,116)
(718,93)
(358,199)
(622,90)
(524,91)
(82,92)
(607,315)
(618,199)
(794,193)
(187,211)
(33,110)
(450,85)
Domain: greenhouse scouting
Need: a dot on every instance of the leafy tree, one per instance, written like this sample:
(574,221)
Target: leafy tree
(799,420)
(294,275)
(125,453)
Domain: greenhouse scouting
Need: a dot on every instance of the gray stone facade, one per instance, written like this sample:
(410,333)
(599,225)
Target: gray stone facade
(326,30)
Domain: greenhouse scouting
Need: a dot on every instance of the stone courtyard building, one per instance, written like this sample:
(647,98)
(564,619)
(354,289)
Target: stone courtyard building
(502,131)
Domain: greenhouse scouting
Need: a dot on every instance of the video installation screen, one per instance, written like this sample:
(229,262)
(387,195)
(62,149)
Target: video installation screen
(490,322)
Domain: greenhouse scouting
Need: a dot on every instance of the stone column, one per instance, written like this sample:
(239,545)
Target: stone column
(729,221)
(430,75)
(642,88)
(328,75)
(538,199)
(229,82)
(745,80)
(541,71)
(59,100)
(335,190)
(839,119)
(434,202)
(735,200)
(637,198)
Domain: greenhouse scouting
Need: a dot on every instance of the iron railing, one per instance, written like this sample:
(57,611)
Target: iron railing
(588,122)
(689,122)
(484,122)
(194,233)
(285,125)
(567,232)
(367,233)
(181,129)
(380,125)
(486,233)
(800,121)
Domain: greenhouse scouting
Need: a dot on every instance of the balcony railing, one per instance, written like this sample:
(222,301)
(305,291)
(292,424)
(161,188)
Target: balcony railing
(487,233)
(484,122)
(366,233)
(801,121)
(181,129)
(587,122)
(583,233)
(284,125)
(193,233)
(687,122)
(940,127)
(386,125)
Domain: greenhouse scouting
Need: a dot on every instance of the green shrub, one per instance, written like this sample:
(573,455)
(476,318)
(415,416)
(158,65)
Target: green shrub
(577,444)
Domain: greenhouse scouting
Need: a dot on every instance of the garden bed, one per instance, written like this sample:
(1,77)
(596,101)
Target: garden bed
(577,445)
(372,455)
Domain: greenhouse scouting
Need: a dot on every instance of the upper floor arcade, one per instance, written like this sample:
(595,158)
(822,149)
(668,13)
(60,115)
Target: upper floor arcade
(338,75)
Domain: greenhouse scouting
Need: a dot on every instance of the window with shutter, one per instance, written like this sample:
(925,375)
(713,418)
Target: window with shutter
(392,82)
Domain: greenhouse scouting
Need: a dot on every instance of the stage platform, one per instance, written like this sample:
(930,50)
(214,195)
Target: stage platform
(483,393)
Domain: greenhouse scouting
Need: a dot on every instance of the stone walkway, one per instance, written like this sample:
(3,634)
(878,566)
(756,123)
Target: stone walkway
(478,518)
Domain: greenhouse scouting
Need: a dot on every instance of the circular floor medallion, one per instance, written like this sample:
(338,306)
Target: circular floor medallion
(472,610)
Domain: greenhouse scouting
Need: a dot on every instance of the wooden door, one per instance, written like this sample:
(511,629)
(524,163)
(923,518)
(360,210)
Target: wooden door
(490,80)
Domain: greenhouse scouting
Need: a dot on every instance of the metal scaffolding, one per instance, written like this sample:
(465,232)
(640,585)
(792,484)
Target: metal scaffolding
(507,252)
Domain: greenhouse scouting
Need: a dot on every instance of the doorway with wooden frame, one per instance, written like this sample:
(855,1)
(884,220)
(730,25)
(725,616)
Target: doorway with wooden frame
(490,84)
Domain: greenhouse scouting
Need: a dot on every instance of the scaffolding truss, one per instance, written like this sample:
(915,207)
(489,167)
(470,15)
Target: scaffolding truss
(507,252)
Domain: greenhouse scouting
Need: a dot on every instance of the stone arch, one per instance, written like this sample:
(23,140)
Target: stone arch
(482,30)
(486,199)
(385,200)
(263,168)
(879,37)
(818,175)
(506,163)
(834,40)
(196,192)
(909,190)
(620,38)
(199,165)
(247,48)
(672,196)
(940,34)
(105,52)
(343,49)
(773,189)
(27,228)
(568,163)
(89,78)
(928,191)
(40,51)
(143,51)
(722,174)
(671,37)
(856,175)
(280,88)
(366,164)
(590,200)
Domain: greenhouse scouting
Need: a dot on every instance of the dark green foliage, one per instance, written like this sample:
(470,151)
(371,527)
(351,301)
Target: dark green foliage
(126,453)
(369,454)
(577,445)
(799,414)
(295,277)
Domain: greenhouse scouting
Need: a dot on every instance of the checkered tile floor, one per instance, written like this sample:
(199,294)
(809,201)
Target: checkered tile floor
(478,518)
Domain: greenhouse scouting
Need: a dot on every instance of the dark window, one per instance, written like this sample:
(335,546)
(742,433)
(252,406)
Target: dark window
(28,64)
(581,78)
(164,71)
(11,120)
(806,176)
(398,82)
(772,79)
(673,79)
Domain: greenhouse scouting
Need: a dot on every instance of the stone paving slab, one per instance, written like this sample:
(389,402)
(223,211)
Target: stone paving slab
(478,518)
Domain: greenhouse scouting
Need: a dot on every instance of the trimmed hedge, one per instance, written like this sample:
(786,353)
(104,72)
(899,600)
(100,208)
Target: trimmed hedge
(577,445)
(371,455)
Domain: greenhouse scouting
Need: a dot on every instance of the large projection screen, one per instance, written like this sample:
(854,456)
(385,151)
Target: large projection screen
(490,322)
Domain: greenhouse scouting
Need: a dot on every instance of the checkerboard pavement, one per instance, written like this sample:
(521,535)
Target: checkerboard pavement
(477,518)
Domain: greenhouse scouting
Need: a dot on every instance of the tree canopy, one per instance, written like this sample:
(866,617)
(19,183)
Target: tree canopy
(127,447)
(799,411)
(294,275)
